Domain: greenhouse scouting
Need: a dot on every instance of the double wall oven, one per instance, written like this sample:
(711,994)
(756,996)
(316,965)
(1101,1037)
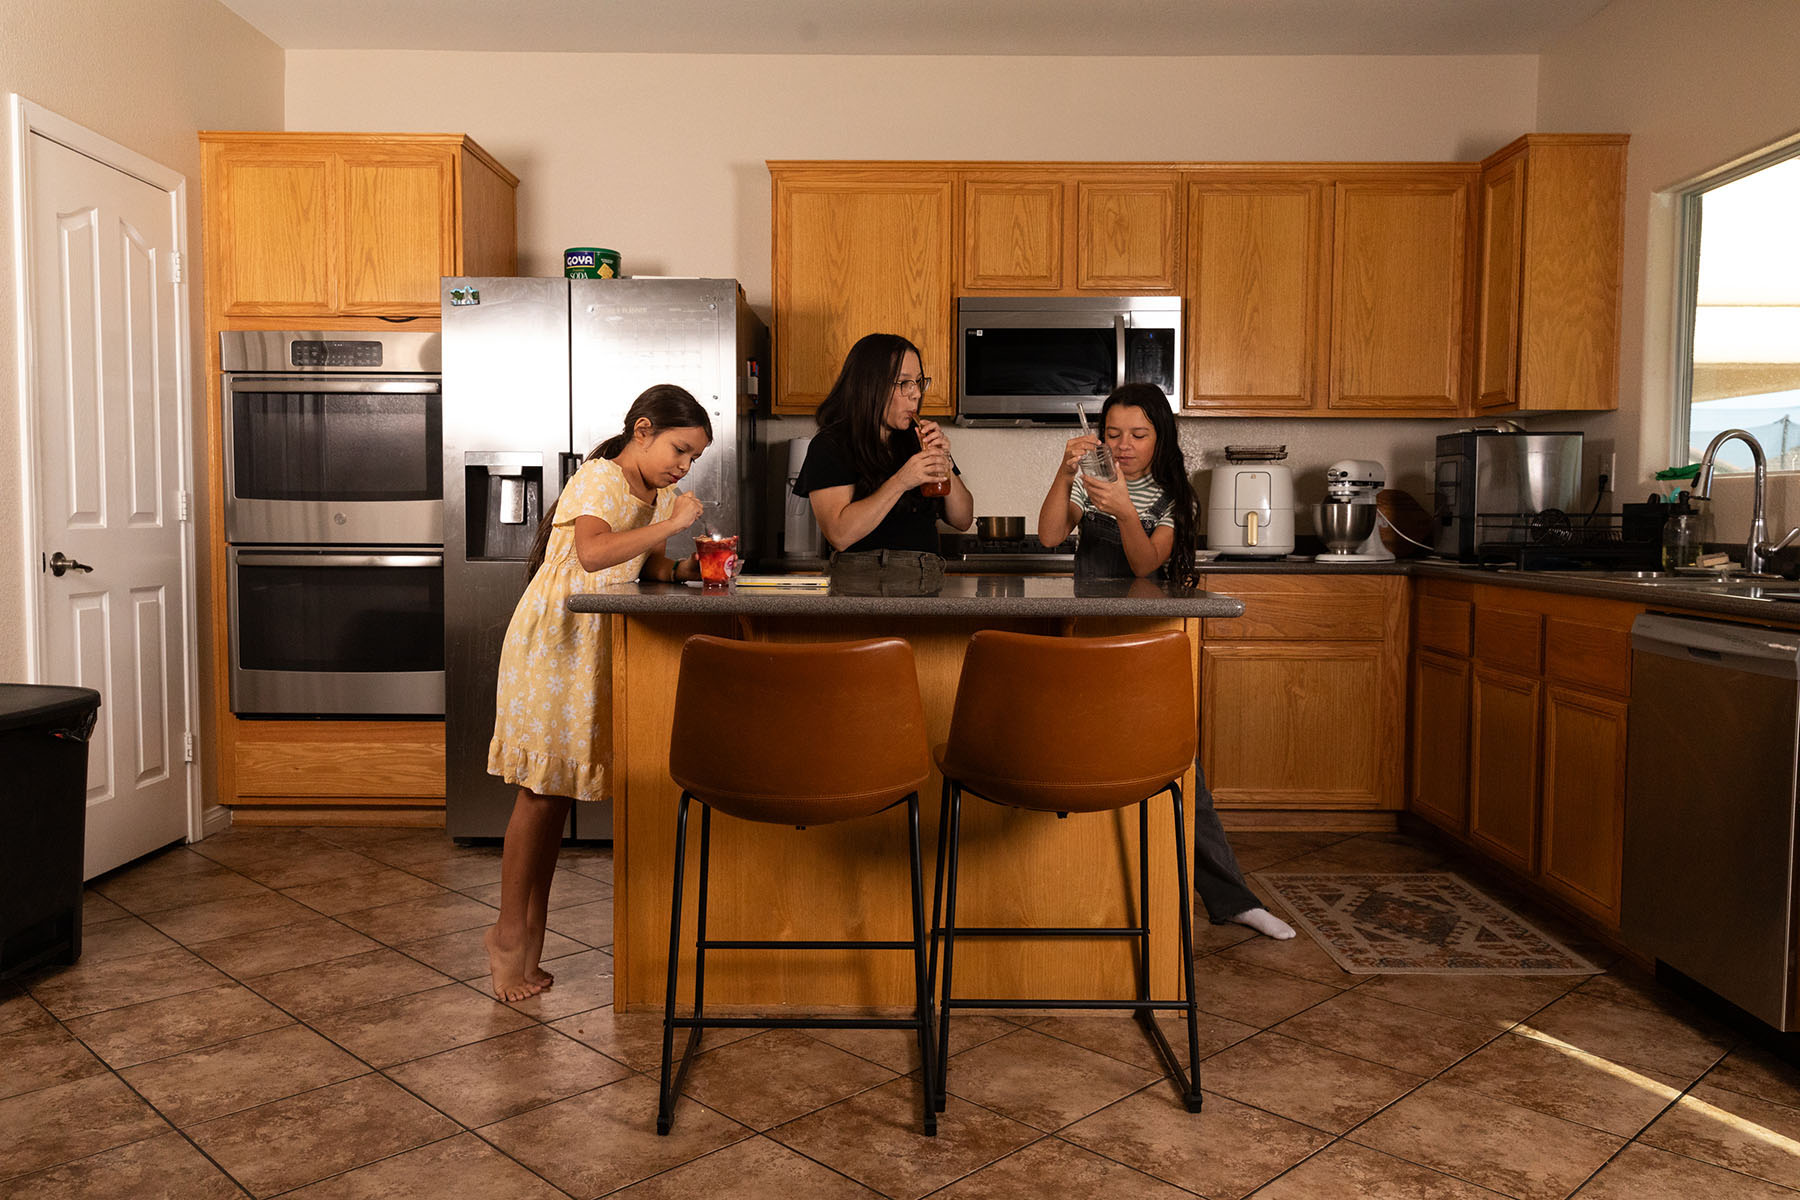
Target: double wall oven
(334,518)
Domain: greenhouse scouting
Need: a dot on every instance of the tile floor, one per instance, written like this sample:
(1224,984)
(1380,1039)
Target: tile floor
(303,1013)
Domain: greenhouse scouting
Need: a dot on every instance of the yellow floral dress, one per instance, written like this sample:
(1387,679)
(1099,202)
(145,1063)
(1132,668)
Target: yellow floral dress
(553,712)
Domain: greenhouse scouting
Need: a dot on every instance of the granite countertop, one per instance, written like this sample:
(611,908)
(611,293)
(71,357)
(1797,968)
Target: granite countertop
(1769,599)
(1764,599)
(1058,595)
(962,596)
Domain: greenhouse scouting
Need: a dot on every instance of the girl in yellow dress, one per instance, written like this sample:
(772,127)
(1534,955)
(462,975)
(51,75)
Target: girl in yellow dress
(608,526)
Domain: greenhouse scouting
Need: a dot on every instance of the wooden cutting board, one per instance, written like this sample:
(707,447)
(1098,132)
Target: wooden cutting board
(1408,516)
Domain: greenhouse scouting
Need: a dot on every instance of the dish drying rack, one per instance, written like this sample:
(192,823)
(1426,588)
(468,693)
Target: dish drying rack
(1551,538)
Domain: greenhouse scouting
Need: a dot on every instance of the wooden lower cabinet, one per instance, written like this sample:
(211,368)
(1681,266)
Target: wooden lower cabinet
(1519,709)
(1303,698)
(1584,799)
(297,765)
(1503,766)
(1440,731)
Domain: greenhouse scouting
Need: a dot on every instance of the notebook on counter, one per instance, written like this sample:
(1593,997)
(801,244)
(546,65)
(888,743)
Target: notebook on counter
(796,583)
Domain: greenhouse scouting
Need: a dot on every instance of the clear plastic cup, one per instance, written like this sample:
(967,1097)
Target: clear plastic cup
(718,560)
(1098,464)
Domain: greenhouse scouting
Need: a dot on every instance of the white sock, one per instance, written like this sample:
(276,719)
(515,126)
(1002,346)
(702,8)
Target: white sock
(1265,923)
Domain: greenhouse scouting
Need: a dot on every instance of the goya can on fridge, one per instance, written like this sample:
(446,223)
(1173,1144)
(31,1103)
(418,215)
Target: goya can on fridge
(590,262)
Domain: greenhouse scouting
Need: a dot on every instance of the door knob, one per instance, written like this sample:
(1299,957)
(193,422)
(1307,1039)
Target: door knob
(60,563)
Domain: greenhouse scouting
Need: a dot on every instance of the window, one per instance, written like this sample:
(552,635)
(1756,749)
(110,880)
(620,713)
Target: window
(1740,301)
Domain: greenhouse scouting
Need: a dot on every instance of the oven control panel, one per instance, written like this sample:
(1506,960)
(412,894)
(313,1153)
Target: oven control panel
(334,353)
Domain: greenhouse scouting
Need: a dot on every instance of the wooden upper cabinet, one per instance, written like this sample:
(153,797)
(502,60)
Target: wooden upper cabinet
(1502,195)
(1013,235)
(1398,249)
(320,225)
(399,229)
(1070,233)
(1127,234)
(859,252)
(1326,290)
(1552,239)
(1254,249)
(270,216)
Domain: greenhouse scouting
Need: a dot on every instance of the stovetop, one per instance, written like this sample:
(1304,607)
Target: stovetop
(965,553)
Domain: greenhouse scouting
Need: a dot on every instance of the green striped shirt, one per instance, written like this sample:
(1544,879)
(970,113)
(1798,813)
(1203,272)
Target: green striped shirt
(1145,492)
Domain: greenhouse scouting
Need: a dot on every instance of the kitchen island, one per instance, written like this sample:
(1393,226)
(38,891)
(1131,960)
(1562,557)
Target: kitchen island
(850,880)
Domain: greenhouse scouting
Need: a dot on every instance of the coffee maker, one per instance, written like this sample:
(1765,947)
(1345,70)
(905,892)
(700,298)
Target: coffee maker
(1349,522)
(1250,508)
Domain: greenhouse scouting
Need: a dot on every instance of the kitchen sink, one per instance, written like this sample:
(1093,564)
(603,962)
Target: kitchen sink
(1751,587)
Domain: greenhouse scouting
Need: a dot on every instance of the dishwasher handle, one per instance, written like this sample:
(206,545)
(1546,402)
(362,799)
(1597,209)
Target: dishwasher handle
(1747,648)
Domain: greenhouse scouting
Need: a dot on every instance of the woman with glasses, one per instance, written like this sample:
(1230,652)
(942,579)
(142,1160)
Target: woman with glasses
(879,477)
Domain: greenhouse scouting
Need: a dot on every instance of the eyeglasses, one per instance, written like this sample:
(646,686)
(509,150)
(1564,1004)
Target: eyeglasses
(922,384)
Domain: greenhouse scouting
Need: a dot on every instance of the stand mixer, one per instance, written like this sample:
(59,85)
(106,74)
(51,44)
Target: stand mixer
(1348,520)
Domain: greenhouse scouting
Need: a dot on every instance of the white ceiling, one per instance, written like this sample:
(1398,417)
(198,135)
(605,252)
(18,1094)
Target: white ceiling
(981,27)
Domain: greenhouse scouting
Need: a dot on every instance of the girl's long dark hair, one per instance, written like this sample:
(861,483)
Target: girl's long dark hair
(1169,468)
(665,406)
(856,402)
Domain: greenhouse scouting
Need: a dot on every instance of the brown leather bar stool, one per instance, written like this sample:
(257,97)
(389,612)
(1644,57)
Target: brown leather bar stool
(850,743)
(1072,725)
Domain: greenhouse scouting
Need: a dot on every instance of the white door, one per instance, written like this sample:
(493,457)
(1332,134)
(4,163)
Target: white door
(109,485)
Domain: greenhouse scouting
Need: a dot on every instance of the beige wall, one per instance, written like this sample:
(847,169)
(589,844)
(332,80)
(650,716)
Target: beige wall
(148,74)
(661,157)
(1697,84)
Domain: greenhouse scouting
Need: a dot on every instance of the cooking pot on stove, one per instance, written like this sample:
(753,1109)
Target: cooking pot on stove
(1000,529)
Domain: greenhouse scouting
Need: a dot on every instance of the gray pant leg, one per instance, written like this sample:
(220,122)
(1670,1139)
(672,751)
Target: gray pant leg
(1217,876)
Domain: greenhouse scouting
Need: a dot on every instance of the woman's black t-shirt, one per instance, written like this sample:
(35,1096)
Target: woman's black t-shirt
(910,525)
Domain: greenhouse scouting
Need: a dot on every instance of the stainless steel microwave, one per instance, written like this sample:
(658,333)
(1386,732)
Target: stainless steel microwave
(1032,360)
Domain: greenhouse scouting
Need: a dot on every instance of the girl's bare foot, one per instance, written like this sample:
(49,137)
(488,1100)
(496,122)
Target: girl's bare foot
(508,966)
(535,946)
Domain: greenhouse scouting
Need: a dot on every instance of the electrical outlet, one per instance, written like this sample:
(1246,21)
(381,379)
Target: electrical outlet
(1606,477)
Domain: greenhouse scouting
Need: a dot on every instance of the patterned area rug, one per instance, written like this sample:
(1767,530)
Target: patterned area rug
(1420,924)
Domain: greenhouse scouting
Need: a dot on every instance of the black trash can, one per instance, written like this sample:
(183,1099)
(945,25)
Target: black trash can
(43,820)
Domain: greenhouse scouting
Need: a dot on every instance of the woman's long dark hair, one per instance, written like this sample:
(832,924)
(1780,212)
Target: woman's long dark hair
(856,402)
(665,406)
(1169,468)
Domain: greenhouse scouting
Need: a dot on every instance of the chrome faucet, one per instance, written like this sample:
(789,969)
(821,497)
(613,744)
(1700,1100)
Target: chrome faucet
(1756,547)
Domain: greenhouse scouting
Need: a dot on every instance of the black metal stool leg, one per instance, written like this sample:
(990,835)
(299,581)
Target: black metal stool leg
(1192,1097)
(937,887)
(1144,900)
(949,930)
(665,1104)
(921,988)
(700,925)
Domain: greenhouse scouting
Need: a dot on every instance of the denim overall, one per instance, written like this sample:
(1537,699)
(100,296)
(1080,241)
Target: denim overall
(1100,551)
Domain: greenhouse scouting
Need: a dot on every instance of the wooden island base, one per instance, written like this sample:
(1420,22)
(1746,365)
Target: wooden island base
(850,880)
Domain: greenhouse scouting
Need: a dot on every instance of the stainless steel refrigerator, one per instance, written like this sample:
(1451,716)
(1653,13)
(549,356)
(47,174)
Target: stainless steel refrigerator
(536,373)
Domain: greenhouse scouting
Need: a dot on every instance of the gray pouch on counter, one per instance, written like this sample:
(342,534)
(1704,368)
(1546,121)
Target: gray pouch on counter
(886,573)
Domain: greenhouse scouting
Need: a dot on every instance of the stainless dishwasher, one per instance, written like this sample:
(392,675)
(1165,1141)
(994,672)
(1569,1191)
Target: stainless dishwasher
(1713,745)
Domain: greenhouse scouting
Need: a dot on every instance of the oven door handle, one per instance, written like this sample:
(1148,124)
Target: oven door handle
(429,385)
(260,558)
